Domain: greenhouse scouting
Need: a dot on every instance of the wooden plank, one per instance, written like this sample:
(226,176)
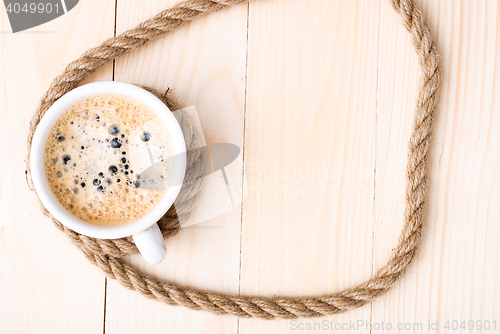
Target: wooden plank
(46,284)
(309,153)
(204,64)
(455,276)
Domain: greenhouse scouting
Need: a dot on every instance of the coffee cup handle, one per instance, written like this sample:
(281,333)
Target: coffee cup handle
(151,244)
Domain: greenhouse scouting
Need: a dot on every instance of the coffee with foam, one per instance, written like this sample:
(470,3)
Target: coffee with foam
(106,160)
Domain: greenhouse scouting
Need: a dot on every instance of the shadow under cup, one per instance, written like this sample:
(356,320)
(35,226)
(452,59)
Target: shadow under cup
(144,230)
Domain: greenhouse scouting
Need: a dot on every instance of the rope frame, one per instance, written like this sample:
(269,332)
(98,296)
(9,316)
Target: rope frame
(107,254)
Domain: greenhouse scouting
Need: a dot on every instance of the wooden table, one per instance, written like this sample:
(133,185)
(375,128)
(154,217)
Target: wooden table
(320,95)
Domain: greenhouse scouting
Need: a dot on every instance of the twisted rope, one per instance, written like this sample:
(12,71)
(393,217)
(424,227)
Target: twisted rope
(106,254)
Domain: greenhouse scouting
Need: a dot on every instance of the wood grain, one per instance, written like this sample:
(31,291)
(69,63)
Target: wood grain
(204,63)
(46,284)
(309,152)
(455,277)
(320,95)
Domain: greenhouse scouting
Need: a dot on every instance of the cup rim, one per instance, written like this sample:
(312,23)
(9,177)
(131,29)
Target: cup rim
(42,132)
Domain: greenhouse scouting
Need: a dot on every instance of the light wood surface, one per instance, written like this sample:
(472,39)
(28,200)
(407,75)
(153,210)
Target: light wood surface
(320,96)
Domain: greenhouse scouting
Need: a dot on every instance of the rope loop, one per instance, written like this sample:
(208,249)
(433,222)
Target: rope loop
(107,254)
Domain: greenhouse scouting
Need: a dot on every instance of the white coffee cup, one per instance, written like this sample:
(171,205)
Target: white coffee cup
(145,231)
